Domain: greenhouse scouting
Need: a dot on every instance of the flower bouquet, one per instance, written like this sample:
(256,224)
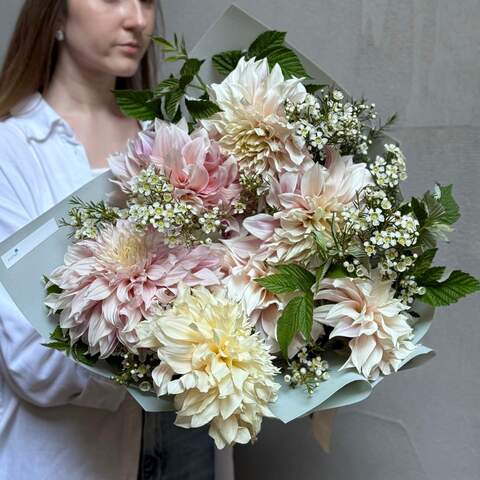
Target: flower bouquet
(254,256)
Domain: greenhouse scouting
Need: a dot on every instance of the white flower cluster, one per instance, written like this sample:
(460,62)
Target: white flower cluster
(152,203)
(355,266)
(89,218)
(395,262)
(210,221)
(410,288)
(390,171)
(399,230)
(330,120)
(308,370)
(88,229)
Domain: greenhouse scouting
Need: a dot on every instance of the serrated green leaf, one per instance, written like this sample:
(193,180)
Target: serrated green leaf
(133,103)
(423,262)
(166,86)
(266,41)
(457,285)
(450,206)
(431,276)
(190,68)
(313,88)
(277,283)
(419,210)
(226,62)
(288,61)
(201,108)
(298,275)
(172,102)
(297,316)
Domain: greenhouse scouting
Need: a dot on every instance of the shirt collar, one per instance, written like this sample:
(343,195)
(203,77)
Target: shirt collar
(39,118)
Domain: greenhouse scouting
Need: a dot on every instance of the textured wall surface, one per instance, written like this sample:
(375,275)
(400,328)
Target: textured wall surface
(420,58)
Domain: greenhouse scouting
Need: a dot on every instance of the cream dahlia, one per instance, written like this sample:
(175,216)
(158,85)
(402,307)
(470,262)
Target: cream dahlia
(109,283)
(226,375)
(252,125)
(366,310)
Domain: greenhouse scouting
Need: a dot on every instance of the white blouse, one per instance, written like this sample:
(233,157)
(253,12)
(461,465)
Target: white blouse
(91,428)
(57,420)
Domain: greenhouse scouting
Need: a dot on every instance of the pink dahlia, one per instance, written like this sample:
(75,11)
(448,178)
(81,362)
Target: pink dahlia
(109,283)
(192,163)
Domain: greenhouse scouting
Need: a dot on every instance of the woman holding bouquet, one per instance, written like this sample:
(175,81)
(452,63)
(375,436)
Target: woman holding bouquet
(59,123)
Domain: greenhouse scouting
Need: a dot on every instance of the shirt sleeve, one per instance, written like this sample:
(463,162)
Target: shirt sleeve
(37,374)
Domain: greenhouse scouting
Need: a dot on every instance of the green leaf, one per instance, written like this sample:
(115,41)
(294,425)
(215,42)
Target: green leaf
(299,275)
(419,211)
(133,103)
(166,86)
(277,283)
(288,61)
(61,346)
(337,271)
(457,285)
(296,317)
(172,102)
(313,88)
(265,41)
(431,276)
(226,62)
(190,68)
(162,41)
(201,108)
(423,262)
(450,206)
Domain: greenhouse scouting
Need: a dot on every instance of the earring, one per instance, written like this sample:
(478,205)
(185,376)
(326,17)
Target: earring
(60,36)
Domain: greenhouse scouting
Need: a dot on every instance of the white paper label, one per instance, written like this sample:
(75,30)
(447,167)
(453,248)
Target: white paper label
(30,242)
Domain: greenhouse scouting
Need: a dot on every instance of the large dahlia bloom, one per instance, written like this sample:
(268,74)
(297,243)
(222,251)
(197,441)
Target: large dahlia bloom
(109,283)
(226,372)
(252,125)
(365,310)
(192,163)
(306,204)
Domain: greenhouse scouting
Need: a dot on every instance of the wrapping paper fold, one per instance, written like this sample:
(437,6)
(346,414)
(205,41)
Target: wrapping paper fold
(39,247)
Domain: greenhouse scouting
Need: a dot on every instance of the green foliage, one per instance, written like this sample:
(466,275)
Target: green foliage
(78,351)
(298,313)
(436,213)
(291,278)
(296,317)
(269,45)
(139,104)
(201,108)
(226,62)
(441,293)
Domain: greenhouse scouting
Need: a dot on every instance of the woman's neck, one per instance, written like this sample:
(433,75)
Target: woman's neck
(78,91)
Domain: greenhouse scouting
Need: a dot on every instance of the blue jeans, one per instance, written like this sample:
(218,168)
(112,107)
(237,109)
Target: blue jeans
(173,453)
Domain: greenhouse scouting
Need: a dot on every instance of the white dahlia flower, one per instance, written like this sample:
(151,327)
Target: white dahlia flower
(365,310)
(252,125)
(226,374)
